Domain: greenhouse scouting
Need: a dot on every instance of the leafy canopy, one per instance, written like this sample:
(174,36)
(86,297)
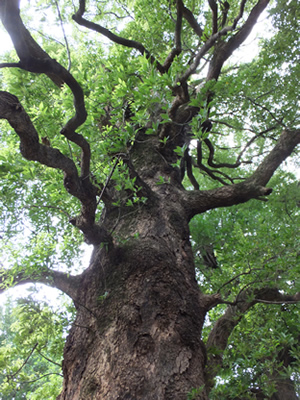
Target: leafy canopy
(249,105)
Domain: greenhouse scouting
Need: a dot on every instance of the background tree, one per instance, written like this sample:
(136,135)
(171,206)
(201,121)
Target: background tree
(148,137)
(31,350)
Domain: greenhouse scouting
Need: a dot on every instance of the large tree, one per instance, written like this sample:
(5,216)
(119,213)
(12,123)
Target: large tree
(142,135)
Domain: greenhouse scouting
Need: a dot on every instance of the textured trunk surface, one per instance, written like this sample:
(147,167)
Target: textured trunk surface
(138,327)
(137,334)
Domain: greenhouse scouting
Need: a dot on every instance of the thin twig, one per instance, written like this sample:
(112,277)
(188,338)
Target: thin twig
(48,359)
(24,363)
(65,37)
(108,179)
(41,377)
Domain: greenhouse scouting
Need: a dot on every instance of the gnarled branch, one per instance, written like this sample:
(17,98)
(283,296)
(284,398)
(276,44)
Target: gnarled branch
(253,187)
(67,283)
(177,37)
(190,18)
(32,149)
(225,49)
(34,59)
(220,333)
(78,17)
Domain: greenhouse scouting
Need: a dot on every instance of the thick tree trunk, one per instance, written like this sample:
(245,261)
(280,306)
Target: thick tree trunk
(137,334)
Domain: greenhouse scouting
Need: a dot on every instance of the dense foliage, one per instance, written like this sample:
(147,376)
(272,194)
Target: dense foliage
(238,250)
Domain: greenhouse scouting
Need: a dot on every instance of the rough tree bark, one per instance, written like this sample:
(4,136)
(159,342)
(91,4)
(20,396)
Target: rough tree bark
(140,313)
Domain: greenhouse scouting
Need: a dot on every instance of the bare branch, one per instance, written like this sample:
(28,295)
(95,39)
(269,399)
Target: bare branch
(189,170)
(253,187)
(67,283)
(214,8)
(201,53)
(211,42)
(255,103)
(11,376)
(10,65)
(220,333)
(41,377)
(189,17)
(252,140)
(224,8)
(225,49)
(177,49)
(240,14)
(211,173)
(211,162)
(113,37)
(48,359)
(32,149)
(64,33)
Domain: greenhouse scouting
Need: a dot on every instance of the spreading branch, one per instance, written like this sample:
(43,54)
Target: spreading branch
(190,18)
(32,149)
(34,59)
(177,37)
(214,9)
(224,50)
(67,283)
(197,202)
(221,331)
(220,56)
(78,17)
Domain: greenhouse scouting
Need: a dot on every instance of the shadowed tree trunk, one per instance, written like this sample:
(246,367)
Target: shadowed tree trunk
(137,333)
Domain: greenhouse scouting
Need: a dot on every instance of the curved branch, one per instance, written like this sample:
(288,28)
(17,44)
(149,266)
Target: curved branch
(48,359)
(189,170)
(238,162)
(113,37)
(10,65)
(189,17)
(31,149)
(221,331)
(67,283)
(197,202)
(11,376)
(210,160)
(211,174)
(177,49)
(34,59)
(214,8)
(224,51)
